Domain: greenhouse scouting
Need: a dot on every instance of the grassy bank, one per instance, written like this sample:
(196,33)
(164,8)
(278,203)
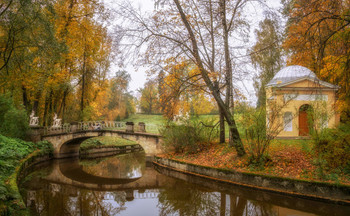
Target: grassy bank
(105,141)
(13,152)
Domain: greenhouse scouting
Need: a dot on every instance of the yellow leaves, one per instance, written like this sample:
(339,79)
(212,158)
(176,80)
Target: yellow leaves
(201,104)
(317,40)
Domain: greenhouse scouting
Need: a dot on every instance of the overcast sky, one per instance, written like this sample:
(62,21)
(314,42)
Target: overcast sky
(139,77)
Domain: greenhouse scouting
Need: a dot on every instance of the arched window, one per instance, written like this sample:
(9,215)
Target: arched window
(287,120)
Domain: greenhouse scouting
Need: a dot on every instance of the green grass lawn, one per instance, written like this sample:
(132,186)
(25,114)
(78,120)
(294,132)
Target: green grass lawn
(154,122)
(148,119)
(105,141)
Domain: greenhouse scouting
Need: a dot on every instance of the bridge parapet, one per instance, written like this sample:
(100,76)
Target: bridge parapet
(99,125)
(65,128)
(84,126)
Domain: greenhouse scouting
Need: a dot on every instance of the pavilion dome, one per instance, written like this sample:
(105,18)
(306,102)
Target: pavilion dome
(291,73)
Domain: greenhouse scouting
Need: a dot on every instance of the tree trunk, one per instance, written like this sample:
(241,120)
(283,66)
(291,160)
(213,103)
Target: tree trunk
(62,106)
(228,68)
(46,109)
(25,98)
(214,90)
(36,102)
(83,85)
(50,108)
(222,126)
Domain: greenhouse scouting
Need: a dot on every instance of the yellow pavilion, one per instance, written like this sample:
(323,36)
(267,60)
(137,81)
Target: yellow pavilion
(291,94)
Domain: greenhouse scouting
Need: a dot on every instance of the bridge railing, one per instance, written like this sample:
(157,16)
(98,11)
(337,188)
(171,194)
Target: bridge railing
(99,125)
(65,128)
(95,125)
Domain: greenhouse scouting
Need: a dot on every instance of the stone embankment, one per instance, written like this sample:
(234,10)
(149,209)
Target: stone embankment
(320,191)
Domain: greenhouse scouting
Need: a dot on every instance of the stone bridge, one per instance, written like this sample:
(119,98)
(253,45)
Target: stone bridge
(67,144)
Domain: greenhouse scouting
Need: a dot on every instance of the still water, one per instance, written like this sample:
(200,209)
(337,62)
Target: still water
(126,184)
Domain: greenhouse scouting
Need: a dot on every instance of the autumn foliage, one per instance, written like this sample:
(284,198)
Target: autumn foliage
(181,88)
(54,58)
(318,38)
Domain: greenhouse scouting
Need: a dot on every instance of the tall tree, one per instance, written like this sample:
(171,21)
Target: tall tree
(51,51)
(183,89)
(149,97)
(192,30)
(266,55)
(88,44)
(318,38)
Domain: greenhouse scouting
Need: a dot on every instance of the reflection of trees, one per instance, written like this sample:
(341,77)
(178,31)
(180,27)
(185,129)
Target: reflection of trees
(260,209)
(239,206)
(184,199)
(72,201)
(119,166)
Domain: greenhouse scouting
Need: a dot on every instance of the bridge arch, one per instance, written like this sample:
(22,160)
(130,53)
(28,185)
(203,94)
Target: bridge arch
(71,147)
(67,144)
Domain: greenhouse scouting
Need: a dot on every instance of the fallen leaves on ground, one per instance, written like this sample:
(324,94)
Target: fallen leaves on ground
(286,161)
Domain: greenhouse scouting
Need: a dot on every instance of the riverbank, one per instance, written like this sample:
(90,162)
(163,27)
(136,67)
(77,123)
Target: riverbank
(289,159)
(318,191)
(15,155)
(293,166)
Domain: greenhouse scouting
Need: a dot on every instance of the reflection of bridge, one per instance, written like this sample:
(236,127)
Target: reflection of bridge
(147,194)
(71,175)
(66,140)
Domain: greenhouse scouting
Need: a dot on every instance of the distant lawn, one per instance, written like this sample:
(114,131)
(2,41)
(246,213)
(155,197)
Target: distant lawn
(105,141)
(146,118)
(155,122)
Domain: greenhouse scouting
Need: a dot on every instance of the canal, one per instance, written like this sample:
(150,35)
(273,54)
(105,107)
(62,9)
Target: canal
(128,184)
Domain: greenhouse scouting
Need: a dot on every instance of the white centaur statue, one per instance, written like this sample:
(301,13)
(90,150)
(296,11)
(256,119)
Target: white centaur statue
(56,121)
(34,120)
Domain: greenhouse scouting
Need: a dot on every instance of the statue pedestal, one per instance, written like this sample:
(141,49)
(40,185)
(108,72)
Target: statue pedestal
(74,126)
(142,127)
(35,133)
(129,127)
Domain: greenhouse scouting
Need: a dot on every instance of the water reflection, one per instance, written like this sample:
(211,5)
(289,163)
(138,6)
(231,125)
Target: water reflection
(127,185)
(120,166)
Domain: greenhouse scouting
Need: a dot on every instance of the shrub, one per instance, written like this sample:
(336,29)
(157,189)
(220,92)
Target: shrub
(5,105)
(255,133)
(189,136)
(12,151)
(332,146)
(14,122)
